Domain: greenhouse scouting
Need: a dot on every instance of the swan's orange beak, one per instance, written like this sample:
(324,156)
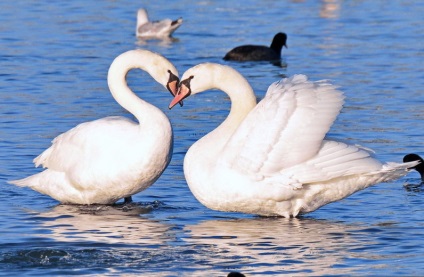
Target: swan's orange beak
(183,92)
(172,84)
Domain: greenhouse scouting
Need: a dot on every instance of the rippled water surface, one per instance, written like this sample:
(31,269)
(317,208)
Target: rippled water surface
(54,60)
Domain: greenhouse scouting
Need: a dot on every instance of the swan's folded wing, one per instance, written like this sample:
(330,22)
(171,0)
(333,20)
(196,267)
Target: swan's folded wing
(286,128)
(85,143)
(334,160)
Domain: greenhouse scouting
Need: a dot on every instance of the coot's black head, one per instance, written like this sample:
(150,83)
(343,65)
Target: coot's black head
(414,157)
(279,41)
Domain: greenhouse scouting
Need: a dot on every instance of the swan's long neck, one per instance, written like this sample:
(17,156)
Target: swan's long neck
(242,97)
(144,60)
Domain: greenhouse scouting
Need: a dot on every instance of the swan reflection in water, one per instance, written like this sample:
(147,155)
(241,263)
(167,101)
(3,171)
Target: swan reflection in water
(103,224)
(296,246)
(280,245)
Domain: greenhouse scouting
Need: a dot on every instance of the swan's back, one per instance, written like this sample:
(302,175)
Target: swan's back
(82,144)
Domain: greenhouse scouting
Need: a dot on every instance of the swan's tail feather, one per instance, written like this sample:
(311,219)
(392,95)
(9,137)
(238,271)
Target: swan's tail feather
(391,171)
(19,183)
(54,184)
(25,182)
(407,165)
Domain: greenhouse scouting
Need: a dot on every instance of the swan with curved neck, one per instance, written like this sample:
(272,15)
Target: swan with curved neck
(271,158)
(102,161)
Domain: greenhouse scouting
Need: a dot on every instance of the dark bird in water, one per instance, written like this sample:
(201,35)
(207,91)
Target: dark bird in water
(419,167)
(259,52)
(235,274)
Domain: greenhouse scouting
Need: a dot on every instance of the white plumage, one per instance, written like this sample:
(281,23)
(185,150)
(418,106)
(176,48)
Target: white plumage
(271,158)
(111,158)
(155,29)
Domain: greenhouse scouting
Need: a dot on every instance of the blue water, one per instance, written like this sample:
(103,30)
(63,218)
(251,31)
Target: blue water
(54,60)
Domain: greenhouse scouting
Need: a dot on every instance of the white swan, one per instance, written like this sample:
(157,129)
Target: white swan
(270,158)
(155,29)
(111,158)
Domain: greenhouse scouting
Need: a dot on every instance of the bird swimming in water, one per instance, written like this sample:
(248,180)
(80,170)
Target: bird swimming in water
(259,52)
(155,29)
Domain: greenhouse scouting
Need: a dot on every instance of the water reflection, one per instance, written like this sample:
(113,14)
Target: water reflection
(278,244)
(330,9)
(163,42)
(414,187)
(102,224)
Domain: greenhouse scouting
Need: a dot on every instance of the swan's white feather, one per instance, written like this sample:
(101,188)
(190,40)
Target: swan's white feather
(87,141)
(293,114)
(333,160)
